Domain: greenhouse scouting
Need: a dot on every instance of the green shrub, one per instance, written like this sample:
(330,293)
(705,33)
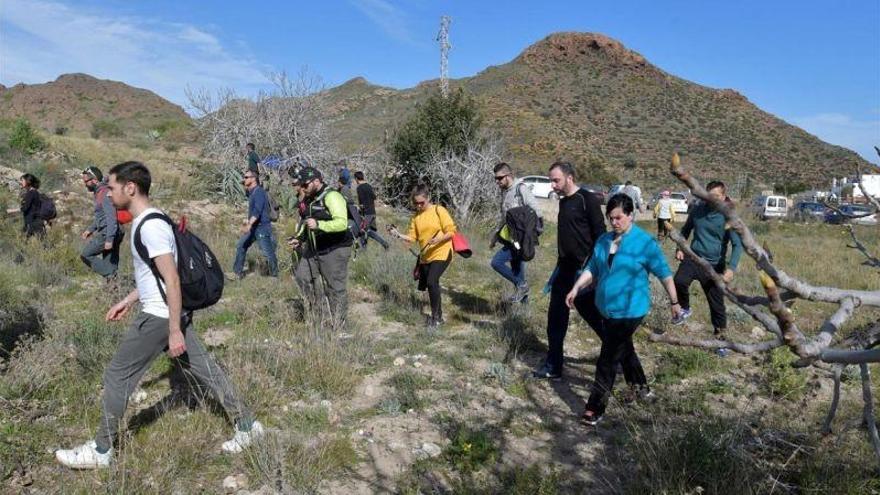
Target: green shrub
(676,364)
(106,128)
(470,449)
(781,380)
(25,138)
(407,385)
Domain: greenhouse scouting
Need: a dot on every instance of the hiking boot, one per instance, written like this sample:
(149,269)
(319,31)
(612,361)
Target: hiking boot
(234,277)
(520,294)
(546,372)
(243,439)
(684,315)
(591,418)
(85,456)
(641,393)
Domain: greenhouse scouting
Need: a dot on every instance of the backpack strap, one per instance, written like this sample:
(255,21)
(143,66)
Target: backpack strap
(142,250)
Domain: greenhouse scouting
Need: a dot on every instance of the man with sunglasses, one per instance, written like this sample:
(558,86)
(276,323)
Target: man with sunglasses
(258,227)
(515,193)
(326,243)
(103,235)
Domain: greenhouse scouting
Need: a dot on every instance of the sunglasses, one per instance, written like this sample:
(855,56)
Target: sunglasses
(248,176)
(500,177)
(420,203)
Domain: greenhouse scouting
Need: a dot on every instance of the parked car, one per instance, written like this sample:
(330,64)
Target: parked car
(767,207)
(863,215)
(680,202)
(540,186)
(808,211)
(599,191)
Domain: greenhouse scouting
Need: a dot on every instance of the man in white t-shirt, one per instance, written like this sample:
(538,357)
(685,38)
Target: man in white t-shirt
(159,327)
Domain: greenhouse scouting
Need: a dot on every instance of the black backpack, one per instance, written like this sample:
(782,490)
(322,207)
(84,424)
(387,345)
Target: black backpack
(47,208)
(355,221)
(201,276)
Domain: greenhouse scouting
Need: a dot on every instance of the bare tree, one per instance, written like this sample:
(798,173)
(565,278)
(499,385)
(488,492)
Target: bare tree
(286,121)
(467,178)
(772,312)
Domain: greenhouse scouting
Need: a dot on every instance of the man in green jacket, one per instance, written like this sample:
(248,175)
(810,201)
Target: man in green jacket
(253,159)
(326,241)
(711,238)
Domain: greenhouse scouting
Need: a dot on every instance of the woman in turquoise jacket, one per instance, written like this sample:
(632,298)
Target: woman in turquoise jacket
(619,266)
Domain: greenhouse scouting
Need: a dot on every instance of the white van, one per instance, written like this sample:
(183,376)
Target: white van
(767,207)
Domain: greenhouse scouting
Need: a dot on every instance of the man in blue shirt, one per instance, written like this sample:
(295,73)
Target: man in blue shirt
(258,227)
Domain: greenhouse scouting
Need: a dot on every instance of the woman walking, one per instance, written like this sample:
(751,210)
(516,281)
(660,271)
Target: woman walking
(619,266)
(432,228)
(31,205)
(664,212)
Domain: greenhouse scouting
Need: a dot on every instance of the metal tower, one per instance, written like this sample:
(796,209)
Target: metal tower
(443,38)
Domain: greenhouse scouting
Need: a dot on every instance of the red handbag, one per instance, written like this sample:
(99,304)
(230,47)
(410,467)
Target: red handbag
(461,245)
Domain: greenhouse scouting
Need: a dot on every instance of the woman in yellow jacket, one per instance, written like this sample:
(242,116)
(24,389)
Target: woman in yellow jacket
(432,228)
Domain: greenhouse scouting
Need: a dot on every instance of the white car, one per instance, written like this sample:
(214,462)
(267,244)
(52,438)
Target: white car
(540,186)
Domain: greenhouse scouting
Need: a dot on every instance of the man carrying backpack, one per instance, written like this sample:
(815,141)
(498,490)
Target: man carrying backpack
(515,194)
(326,240)
(103,235)
(367,204)
(161,326)
(258,227)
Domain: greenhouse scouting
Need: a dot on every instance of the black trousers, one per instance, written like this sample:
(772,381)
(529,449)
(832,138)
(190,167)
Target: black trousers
(617,346)
(558,315)
(687,272)
(429,278)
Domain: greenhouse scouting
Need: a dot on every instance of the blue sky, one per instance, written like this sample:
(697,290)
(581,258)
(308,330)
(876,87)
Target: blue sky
(814,63)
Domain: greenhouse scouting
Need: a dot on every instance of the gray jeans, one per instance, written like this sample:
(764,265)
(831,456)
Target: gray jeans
(146,338)
(104,263)
(326,274)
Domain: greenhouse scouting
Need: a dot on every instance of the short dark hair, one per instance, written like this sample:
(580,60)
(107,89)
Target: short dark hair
(628,183)
(622,201)
(135,172)
(502,166)
(565,167)
(251,146)
(93,171)
(419,190)
(31,180)
(255,172)
(359,175)
(716,184)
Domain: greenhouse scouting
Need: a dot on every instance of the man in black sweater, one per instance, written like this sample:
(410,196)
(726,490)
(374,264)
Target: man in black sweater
(367,203)
(580,223)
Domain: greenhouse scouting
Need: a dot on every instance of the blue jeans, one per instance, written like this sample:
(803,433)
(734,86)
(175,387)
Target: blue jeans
(266,241)
(516,272)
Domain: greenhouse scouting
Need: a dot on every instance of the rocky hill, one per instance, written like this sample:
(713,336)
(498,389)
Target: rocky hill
(589,98)
(82,104)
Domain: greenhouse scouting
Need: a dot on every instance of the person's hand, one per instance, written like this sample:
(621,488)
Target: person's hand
(294,243)
(676,310)
(727,276)
(108,245)
(679,255)
(312,224)
(245,228)
(176,343)
(85,234)
(569,298)
(118,311)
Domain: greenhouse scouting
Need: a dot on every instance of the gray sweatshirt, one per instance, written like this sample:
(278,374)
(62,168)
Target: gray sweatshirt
(519,194)
(105,215)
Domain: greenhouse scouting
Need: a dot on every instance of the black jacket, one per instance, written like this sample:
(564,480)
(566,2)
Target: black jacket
(580,223)
(522,223)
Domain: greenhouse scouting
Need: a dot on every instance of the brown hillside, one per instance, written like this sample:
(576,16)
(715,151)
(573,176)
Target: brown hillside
(589,98)
(77,101)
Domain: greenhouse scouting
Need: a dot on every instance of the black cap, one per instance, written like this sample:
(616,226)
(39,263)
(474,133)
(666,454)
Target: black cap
(308,174)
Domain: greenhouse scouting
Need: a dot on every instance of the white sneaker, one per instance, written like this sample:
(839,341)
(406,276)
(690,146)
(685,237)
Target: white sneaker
(85,456)
(243,439)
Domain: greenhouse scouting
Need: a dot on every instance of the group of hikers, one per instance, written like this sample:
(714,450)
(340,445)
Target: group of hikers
(601,271)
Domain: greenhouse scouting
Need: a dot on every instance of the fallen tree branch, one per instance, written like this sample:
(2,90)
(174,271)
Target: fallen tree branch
(835,400)
(762,257)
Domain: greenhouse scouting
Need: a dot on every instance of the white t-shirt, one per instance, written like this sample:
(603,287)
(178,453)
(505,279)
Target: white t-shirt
(665,210)
(158,237)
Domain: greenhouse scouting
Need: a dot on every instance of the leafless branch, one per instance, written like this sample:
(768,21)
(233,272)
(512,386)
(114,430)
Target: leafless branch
(835,401)
(468,177)
(739,347)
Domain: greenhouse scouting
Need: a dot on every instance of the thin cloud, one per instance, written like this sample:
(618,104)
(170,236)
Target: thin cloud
(390,19)
(43,39)
(836,128)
